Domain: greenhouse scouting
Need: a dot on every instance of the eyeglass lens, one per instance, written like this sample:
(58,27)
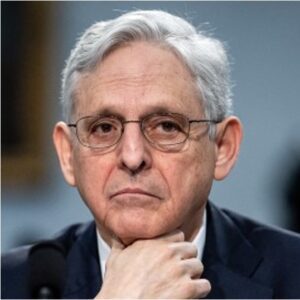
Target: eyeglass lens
(103,132)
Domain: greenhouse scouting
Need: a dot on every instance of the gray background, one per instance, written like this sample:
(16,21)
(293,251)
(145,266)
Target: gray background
(264,45)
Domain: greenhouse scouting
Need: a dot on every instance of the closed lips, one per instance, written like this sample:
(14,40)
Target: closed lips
(134,191)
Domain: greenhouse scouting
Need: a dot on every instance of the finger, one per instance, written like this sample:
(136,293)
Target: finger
(185,250)
(202,287)
(193,267)
(173,236)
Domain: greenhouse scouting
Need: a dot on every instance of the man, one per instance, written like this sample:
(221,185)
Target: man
(148,128)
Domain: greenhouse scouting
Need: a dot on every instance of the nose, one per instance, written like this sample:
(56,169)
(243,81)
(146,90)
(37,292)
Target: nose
(134,156)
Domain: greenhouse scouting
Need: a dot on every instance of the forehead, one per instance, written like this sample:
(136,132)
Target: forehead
(137,79)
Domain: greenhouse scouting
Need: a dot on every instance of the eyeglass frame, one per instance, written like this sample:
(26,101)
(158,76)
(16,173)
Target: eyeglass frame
(140,122)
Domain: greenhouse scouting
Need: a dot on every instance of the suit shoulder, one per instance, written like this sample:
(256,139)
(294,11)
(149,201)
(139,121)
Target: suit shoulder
(271,240)
(250,226)
(279,250)
(14,263)
(17,256)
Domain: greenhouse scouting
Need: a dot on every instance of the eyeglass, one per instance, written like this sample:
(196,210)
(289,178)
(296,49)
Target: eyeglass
(161,130)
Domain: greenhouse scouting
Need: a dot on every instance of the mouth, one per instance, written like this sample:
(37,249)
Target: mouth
(134,192)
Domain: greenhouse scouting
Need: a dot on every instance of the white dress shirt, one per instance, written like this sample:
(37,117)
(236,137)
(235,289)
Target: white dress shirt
(104,249)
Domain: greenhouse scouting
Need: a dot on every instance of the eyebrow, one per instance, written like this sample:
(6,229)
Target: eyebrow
(108,112)
(157,109)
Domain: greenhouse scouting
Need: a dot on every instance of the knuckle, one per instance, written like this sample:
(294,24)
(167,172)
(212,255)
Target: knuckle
(203,287)
(195,267)
(200,266)
(197,288)
(170,251)
(194,250)
(190,289)
(178,271)
(189,250)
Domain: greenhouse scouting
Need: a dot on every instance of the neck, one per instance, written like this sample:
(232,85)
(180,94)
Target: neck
(193,224)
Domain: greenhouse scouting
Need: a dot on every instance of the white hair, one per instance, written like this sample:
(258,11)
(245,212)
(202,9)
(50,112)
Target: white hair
(204,56)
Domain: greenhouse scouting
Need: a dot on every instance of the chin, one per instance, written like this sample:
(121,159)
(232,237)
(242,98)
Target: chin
(130,230)
(129,234)
(135,223)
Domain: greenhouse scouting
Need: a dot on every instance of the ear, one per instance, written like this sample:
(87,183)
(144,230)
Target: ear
(228,140)
(64,150)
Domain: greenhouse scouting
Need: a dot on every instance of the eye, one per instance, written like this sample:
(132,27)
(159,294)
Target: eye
(160,126)
(169,126)
(166,130)
(103,127)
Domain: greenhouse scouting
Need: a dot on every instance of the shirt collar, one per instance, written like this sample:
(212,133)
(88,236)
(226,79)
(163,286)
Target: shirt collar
(104,249)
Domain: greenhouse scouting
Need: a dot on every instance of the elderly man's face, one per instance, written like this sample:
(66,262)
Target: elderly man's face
(135,190)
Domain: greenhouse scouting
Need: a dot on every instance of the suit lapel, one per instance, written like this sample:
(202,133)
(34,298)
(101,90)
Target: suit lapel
(83,269)
(230,261)
(229,284)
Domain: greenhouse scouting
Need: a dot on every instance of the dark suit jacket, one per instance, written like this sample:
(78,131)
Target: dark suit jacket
(242,259)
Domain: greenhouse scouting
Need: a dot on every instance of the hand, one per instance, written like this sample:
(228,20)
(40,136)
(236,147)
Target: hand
(164,267)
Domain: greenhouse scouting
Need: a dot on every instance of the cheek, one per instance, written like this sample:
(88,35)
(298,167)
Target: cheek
(91,173)
(189,176)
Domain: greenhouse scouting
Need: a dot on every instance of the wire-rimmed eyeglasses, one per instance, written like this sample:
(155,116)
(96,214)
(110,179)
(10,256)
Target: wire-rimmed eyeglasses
(162,130)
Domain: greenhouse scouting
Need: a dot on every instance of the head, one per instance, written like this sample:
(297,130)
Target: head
(142,63)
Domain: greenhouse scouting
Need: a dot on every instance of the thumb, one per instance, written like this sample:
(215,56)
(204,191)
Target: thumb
(173,236)
(116,244)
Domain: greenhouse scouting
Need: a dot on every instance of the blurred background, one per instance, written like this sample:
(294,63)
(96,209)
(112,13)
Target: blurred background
(263,39)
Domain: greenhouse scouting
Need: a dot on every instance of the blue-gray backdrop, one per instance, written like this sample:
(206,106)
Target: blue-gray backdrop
(264,45)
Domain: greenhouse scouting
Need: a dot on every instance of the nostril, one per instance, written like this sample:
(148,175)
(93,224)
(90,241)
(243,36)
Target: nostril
(137,170)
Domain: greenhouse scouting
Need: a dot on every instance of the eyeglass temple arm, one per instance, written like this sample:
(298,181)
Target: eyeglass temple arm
(205,121)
